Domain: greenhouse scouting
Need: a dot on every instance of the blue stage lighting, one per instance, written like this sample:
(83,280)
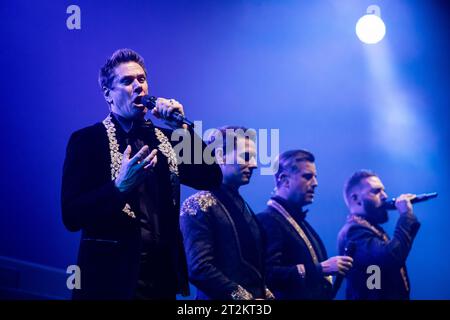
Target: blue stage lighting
(370,28)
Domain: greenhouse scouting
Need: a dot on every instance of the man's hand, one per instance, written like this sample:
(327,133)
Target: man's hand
(133,171)
(404,205)
(338,264)
(163,109)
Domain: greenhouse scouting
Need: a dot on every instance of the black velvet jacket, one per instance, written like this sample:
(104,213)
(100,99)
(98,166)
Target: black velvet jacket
(390,257)
(217,251)
(111,242)
(285,249)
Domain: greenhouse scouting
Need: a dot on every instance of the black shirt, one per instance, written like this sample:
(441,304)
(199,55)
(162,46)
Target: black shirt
(154,223)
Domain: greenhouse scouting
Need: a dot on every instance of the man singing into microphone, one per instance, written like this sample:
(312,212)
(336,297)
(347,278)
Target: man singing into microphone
(120,187)
(384,258)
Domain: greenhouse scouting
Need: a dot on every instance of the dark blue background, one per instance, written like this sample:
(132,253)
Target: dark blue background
(292,65)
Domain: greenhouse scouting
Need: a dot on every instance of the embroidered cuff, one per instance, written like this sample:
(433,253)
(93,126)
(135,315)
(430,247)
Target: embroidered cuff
(269,294)
(241,294)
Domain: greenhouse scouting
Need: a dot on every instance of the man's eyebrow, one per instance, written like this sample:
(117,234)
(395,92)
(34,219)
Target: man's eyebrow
(132,76)
(127,77)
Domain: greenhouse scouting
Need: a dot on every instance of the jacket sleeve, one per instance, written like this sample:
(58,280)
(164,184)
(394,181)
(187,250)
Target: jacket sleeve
(279,275)
(195,164)
(84,203)
(370,249)
(196,227)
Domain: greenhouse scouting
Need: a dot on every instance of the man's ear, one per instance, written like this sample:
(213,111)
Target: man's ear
(355,198)
(283,179)
(107,95)
(220,157)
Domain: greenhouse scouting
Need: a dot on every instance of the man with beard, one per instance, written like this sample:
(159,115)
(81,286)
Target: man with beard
(222,239)
(365,196)
(297,262)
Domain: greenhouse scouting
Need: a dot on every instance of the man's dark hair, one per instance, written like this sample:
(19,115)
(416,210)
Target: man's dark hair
(355,180)
(231,132)
(288,160)
(106,74)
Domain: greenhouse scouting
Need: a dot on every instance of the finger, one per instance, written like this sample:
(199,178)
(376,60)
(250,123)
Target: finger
(176,108)
(149,158)
(411,196)
(345,266)
(156,113)
(347,259)
(164,112)
(167,106)
(127,152)
(162,103)
(344,263)
(407,196)
(179,107)
(152,163)
(168,109)
(401,198)
(140,155)
(146,152)
(175,105)
(161,106)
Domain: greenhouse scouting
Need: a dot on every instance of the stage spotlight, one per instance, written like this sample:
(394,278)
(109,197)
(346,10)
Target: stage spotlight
(370,28)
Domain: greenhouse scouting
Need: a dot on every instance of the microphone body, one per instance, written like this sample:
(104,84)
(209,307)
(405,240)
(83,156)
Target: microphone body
(390,204)
(348,251)
(150,103)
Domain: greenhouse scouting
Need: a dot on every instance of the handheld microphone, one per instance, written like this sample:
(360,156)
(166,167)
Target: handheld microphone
(390,204)
(348,251)
(150,103)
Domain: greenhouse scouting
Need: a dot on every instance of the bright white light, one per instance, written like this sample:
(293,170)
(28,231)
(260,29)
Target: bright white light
(370,29)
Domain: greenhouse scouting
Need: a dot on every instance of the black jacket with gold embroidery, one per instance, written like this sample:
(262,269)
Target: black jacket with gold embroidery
(389,257)
(215,253)
(111,240)
(285,249)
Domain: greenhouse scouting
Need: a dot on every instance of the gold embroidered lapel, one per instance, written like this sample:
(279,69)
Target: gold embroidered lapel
(280,209)
(166,149)
(116,157)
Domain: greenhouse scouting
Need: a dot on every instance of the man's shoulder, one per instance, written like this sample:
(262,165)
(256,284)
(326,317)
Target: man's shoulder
(352,229)
(88,132)
(267,212)
(200,202)
(268,216)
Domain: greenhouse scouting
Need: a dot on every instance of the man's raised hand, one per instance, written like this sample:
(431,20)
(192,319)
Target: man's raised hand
(133,171)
